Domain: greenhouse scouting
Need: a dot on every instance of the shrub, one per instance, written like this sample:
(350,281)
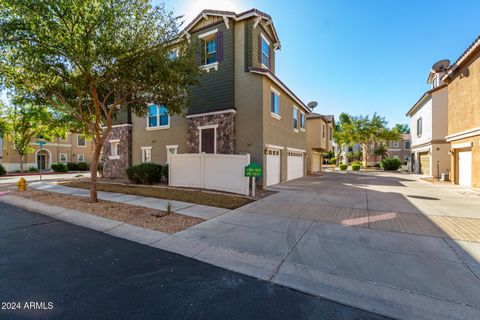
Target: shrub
(391,164)
(333,160)
(72,166)
(59,167)
(83,166)
(145,173)
(2,170)
(32,169)
(343,166)
(165,172)
(356,166)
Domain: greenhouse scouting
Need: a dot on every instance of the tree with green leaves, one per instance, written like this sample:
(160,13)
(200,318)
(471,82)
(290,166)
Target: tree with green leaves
(24,121)
(402,128)
(91,58)
(344,135)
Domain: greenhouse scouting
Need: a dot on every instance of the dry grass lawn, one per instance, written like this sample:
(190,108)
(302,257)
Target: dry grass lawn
(226,201)
(139,216)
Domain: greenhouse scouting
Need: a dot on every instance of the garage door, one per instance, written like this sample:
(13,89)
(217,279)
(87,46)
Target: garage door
(425,163)
(316,162)
(465,168)
(273,167)
(295,165)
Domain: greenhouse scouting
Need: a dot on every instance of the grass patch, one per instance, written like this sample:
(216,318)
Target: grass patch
(193,196)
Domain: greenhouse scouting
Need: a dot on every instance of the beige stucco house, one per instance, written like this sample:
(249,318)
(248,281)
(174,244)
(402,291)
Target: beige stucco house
(239,106)
(73,148)
(463,79)
(429,125)
(319,139)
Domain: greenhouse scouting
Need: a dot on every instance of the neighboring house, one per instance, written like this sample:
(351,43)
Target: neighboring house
(428,127)
(319,139)
(74,148)
(238,107)
(463,79)
(400,149)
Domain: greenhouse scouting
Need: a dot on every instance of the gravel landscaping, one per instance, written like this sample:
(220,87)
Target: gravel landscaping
(135,215)
(221,200)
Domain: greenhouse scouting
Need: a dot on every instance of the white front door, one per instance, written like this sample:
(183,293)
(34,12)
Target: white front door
(294,165)
(465,168)
(273,167)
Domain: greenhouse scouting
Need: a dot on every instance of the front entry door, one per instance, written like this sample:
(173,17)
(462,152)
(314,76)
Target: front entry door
(208,140)
(42,161)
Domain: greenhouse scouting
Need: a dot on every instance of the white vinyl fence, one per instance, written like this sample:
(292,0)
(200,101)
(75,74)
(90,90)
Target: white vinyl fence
(224,172)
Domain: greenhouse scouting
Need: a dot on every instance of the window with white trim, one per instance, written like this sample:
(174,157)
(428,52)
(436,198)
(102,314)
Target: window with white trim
(295,118)
(209,51)
(324,130)
(275,103)
(158,117)
(265,52)
(302,120)
(80,157)
(114,149)
(146,154)
(81,141)
(407,145)
(395,144)
(63,157)
(419,127)
(171,150)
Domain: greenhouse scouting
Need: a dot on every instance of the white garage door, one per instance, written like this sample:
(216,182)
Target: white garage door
(295,165)
(273,167)
(316,162)
(465,168)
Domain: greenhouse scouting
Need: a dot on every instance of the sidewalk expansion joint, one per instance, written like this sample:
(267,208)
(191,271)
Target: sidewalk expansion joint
(465,264)
(287,254)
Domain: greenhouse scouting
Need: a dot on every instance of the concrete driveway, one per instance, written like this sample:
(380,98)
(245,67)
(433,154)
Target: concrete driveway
(382,242)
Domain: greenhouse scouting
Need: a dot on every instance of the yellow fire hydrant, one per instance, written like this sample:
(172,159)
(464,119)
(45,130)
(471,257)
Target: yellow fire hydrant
(22,184)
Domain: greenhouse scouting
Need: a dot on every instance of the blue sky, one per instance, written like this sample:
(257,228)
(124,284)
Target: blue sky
(359,57)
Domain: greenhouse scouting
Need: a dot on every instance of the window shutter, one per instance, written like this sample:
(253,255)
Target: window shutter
(219,44)
(198,54)
(259,48)
(269,57)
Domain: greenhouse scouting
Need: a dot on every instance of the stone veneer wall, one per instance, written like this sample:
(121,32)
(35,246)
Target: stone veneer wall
(115,168)
(225,132)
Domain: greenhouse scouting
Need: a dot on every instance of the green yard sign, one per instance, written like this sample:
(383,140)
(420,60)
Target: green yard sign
(253,170)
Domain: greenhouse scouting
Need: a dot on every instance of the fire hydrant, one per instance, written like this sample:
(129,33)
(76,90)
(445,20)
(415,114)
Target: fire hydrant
(22,184)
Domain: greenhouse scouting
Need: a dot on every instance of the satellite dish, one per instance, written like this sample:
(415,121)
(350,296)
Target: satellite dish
(312,104)
(441,66)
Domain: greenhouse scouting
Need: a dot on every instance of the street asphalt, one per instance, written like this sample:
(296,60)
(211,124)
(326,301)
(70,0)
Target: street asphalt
(76,273)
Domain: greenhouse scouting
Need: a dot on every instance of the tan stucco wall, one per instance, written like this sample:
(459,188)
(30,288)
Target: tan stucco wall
(53,148)
(464,97)
(280,132)
(158,139)
(316,142)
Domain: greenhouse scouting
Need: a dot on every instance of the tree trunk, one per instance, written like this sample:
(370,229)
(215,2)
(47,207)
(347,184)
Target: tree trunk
(93,171)
(365,155)
(21,162)
(345,154)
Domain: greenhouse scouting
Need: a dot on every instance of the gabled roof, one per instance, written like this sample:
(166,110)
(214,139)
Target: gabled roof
(237,17)
(464,56)
(278,82)
(422,100)
(327,118)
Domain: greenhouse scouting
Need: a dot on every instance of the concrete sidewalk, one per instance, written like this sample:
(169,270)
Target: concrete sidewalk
(185,208)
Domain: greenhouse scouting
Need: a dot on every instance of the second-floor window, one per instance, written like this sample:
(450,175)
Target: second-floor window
(158,116)
(265,52)
(407,145)
(324,131)
(295,118)
(210,51)
(419,127)
(81,142)
(302,120)
(275,101)
(395,144)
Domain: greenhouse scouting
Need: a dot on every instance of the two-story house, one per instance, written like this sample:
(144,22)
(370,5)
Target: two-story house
(319,139)
(400,149)
(463,79)
(239,106)
(429,125)
(73,148)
